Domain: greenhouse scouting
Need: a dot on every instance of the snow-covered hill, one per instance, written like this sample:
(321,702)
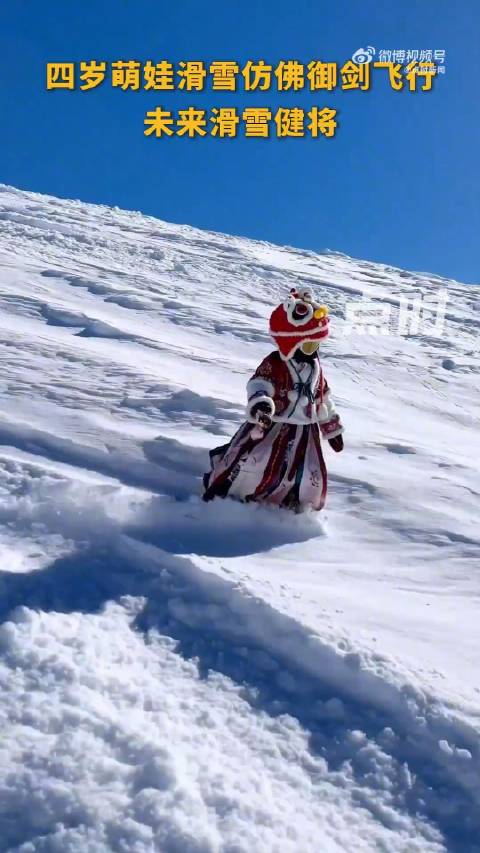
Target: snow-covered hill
(191,678)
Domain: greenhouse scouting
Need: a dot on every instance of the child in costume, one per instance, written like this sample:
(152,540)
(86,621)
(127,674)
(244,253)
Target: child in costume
(276,456)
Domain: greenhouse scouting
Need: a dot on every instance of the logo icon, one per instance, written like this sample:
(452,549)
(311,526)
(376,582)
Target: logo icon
(363,55)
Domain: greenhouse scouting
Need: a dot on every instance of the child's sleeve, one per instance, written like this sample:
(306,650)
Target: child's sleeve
(261,387)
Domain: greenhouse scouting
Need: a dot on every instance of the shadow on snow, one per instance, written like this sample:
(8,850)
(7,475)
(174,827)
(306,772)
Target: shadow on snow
(208,626)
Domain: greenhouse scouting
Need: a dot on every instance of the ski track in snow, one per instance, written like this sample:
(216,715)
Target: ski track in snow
(190,678)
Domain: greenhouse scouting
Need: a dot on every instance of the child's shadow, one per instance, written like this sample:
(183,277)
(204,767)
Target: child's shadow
(222,528)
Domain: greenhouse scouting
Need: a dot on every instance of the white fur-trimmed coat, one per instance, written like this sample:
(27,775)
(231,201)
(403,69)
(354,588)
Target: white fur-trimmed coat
(296,393)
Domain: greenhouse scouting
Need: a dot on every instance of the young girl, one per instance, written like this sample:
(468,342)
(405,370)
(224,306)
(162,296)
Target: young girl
(276,456)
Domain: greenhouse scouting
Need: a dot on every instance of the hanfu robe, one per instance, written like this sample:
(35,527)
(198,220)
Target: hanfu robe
(282,464)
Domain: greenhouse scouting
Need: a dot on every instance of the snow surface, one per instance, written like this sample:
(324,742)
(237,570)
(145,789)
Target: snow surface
(192,678)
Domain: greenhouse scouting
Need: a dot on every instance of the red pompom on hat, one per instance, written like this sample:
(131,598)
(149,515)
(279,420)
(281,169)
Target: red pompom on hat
(297,320)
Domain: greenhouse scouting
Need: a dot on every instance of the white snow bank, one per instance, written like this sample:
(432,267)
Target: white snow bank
(180,677)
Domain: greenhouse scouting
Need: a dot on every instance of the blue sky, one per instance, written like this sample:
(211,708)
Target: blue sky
(399,183)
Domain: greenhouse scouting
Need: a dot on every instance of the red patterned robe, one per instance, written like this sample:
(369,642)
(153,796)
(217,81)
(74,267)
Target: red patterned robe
(283,464)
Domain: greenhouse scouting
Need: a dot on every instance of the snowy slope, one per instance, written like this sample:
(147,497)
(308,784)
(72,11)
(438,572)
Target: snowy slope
(191,678)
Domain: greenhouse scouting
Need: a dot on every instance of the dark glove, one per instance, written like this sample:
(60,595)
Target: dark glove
(262,413)
(336,443)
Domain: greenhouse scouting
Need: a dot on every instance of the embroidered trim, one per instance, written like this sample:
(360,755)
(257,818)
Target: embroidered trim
(297,333)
